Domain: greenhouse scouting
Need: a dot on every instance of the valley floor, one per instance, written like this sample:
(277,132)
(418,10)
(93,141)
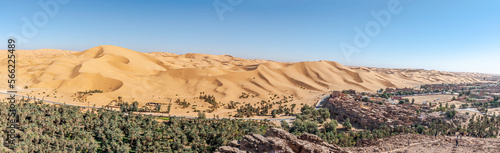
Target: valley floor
(429,144)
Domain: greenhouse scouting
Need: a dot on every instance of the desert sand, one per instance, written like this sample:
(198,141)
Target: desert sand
(163,77)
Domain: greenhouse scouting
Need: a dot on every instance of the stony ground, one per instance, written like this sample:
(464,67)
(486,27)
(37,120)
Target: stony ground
(428,144)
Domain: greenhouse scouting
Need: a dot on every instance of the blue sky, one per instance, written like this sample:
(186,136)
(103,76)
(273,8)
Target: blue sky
(447,35)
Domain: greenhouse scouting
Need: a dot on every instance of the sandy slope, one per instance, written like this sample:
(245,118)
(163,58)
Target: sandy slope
(158,77)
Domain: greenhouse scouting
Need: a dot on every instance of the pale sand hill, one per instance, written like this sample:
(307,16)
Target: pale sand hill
(158,77)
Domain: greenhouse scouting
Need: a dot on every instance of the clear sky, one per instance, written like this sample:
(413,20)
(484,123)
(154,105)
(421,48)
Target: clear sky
(449,35)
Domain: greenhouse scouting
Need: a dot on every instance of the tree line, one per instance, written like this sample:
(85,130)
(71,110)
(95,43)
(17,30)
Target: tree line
(54,128)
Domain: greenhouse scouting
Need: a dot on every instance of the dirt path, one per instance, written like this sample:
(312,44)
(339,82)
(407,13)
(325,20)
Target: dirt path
(411,144)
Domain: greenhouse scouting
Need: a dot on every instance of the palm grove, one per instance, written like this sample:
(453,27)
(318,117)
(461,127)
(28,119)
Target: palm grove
(52,128)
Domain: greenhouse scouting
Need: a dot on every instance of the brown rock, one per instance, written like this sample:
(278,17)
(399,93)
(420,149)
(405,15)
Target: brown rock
(228,149)
(280,140)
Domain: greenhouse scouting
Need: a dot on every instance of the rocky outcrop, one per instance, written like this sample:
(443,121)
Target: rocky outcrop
(278,140)
(372,115)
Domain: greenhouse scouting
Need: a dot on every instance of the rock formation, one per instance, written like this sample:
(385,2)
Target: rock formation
(278,140)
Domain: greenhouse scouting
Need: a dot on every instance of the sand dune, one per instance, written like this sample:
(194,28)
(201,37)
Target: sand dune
(158,76)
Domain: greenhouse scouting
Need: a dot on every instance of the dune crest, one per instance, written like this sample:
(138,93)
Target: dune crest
(158,76)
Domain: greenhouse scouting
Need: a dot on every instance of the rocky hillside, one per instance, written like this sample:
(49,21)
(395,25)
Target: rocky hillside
(416,143)
(278,140)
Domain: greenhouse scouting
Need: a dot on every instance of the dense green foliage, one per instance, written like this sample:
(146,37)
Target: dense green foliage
(184,104)
(210,99)
(491,104)
(450,114)
(51,128)
(308,120)
(264,109)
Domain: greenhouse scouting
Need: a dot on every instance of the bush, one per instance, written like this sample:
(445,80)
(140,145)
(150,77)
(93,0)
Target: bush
(420,129)
(300,127)
(450,114)
(442,109)
(284,125)
(324,113)
(331,126)
(201,115)
(274,112)
(347,124)
(321,120)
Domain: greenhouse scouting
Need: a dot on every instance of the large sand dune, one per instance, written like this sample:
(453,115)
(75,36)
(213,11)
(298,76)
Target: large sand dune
(158,76)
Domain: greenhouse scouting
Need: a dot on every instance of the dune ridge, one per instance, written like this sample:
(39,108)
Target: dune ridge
(140,76)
